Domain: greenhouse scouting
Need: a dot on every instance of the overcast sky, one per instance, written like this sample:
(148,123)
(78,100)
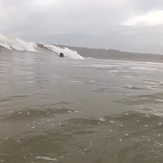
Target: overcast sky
(130,25)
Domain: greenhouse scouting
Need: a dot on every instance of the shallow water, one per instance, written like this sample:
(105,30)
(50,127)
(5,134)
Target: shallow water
(91,111)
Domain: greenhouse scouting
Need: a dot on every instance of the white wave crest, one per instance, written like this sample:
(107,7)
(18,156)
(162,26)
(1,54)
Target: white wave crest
(68,53)
(10,43)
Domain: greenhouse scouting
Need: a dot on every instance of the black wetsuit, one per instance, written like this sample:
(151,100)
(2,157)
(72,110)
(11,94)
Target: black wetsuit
(61,55)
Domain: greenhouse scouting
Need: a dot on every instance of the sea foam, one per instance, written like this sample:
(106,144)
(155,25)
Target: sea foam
(10,42)
(14,43)
(68,53)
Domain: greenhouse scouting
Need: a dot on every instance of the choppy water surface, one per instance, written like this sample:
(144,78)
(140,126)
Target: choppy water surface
(90,111)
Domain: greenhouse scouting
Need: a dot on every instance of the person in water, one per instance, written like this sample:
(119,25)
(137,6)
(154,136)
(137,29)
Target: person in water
(61,55)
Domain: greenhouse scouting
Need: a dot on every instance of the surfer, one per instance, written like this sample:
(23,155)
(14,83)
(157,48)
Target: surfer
(61,55)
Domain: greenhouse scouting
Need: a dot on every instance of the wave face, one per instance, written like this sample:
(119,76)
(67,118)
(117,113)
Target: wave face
(67,52)
(10,43)
(13,43)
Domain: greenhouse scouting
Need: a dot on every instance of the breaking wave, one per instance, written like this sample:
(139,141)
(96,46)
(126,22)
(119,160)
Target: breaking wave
(67,52)
(10,42)
(14,43)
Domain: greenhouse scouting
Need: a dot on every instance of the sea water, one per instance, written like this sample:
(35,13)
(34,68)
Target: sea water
(79,111)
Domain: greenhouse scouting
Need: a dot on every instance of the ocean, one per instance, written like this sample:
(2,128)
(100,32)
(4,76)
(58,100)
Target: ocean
(79,110)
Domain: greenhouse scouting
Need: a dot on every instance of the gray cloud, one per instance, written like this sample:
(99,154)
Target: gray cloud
(90,23)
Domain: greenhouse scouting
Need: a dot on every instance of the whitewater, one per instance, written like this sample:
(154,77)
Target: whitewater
(14,43)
